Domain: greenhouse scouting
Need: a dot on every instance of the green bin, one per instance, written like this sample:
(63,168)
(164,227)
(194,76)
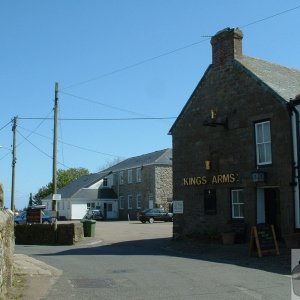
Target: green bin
(89,227)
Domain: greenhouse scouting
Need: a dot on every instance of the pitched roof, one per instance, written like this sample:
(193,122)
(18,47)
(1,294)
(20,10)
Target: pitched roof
(79,186)
(161,157)
(282,80)
(82,182)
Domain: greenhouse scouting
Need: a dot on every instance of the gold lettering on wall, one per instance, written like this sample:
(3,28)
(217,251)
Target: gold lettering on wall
(215,179)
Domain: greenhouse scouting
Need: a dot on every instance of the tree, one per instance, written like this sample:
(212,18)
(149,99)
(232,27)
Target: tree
(64,177)
(30,202)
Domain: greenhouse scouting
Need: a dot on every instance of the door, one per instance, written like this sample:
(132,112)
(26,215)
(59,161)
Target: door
(268,208)
(272,209)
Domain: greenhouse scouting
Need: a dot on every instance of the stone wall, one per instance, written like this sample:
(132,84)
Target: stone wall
(237,96)
(46,234)
(7,246)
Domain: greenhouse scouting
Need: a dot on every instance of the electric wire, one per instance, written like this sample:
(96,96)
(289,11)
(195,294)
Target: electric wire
(147,60)
(72,145)
(103,119)
(270,17)
(103,104)
(5,125)
(39,149)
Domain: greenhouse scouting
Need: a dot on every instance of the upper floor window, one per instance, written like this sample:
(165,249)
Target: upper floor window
(263,143)
(121,177)
(105,182)
(237,204)
(139,175)
(129,176)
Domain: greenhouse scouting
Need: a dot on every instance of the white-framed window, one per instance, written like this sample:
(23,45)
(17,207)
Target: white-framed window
(138,201)
(90,205)
(58,205)
(139,175)
(105,181)
(122,202)
(263,143)
(129,176)
(129,201)
(237,204)
(121,177)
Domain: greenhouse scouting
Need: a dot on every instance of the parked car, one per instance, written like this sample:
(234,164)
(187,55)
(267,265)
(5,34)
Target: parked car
(93,214)
(21,218)
(154,214)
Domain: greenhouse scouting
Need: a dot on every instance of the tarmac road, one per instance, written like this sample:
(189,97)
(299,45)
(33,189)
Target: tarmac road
(131,260)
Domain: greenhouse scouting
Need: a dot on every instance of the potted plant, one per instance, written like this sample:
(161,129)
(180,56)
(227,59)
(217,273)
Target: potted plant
(228,235)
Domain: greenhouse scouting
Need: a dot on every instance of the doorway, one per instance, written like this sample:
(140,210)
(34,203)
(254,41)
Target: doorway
(268,208)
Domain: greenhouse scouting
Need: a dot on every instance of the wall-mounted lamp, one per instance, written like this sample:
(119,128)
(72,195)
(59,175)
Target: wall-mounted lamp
(214,121)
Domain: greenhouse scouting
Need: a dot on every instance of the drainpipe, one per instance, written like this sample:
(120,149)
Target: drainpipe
(295,153)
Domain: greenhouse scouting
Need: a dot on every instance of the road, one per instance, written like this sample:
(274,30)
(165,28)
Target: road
(131,260)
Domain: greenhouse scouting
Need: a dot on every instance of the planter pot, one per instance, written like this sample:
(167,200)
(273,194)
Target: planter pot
(292,241)
(228,238)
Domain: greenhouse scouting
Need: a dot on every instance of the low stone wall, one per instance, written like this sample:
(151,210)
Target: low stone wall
(7,246)
(45,234)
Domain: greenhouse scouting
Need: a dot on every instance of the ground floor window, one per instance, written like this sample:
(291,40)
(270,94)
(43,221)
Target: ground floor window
(121,200)
(237,204)
(139,201)
(210,202)
(129,202)
(91,205)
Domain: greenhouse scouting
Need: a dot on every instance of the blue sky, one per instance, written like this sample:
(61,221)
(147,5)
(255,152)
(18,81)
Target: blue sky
(114,60)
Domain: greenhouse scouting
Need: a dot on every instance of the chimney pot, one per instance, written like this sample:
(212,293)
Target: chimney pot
(226,45)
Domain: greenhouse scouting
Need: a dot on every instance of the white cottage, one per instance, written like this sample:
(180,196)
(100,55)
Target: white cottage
(87,192)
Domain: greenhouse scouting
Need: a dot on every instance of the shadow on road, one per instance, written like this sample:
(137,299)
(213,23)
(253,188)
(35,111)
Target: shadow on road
(237,254)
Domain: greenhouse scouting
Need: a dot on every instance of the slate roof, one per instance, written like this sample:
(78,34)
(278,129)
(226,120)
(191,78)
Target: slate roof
(82,182)
(79,187)
(161,157)
(282,80)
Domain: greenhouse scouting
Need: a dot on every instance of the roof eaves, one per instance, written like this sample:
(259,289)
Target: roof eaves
(189,100)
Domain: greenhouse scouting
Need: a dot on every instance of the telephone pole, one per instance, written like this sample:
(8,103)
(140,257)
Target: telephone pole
(54,174)
(14,160)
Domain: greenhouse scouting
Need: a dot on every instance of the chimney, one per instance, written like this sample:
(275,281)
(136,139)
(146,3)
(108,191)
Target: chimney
(226,45)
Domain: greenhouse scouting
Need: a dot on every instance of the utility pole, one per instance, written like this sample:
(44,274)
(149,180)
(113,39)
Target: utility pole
(54,174)
(14,160)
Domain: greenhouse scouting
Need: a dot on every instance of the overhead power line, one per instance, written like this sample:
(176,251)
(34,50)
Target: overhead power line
(135,64)
(72,145)
(104,104)
(102,119)
(270,17)
(170,52)
(39,149)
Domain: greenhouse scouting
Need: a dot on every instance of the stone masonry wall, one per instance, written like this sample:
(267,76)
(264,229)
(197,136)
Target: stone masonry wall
(7,246)
(163,186)
(156,184)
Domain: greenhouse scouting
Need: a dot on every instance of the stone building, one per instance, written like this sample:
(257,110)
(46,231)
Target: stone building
(234,158)
(142,182)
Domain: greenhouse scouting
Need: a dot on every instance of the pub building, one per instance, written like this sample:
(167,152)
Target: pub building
(235,146)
